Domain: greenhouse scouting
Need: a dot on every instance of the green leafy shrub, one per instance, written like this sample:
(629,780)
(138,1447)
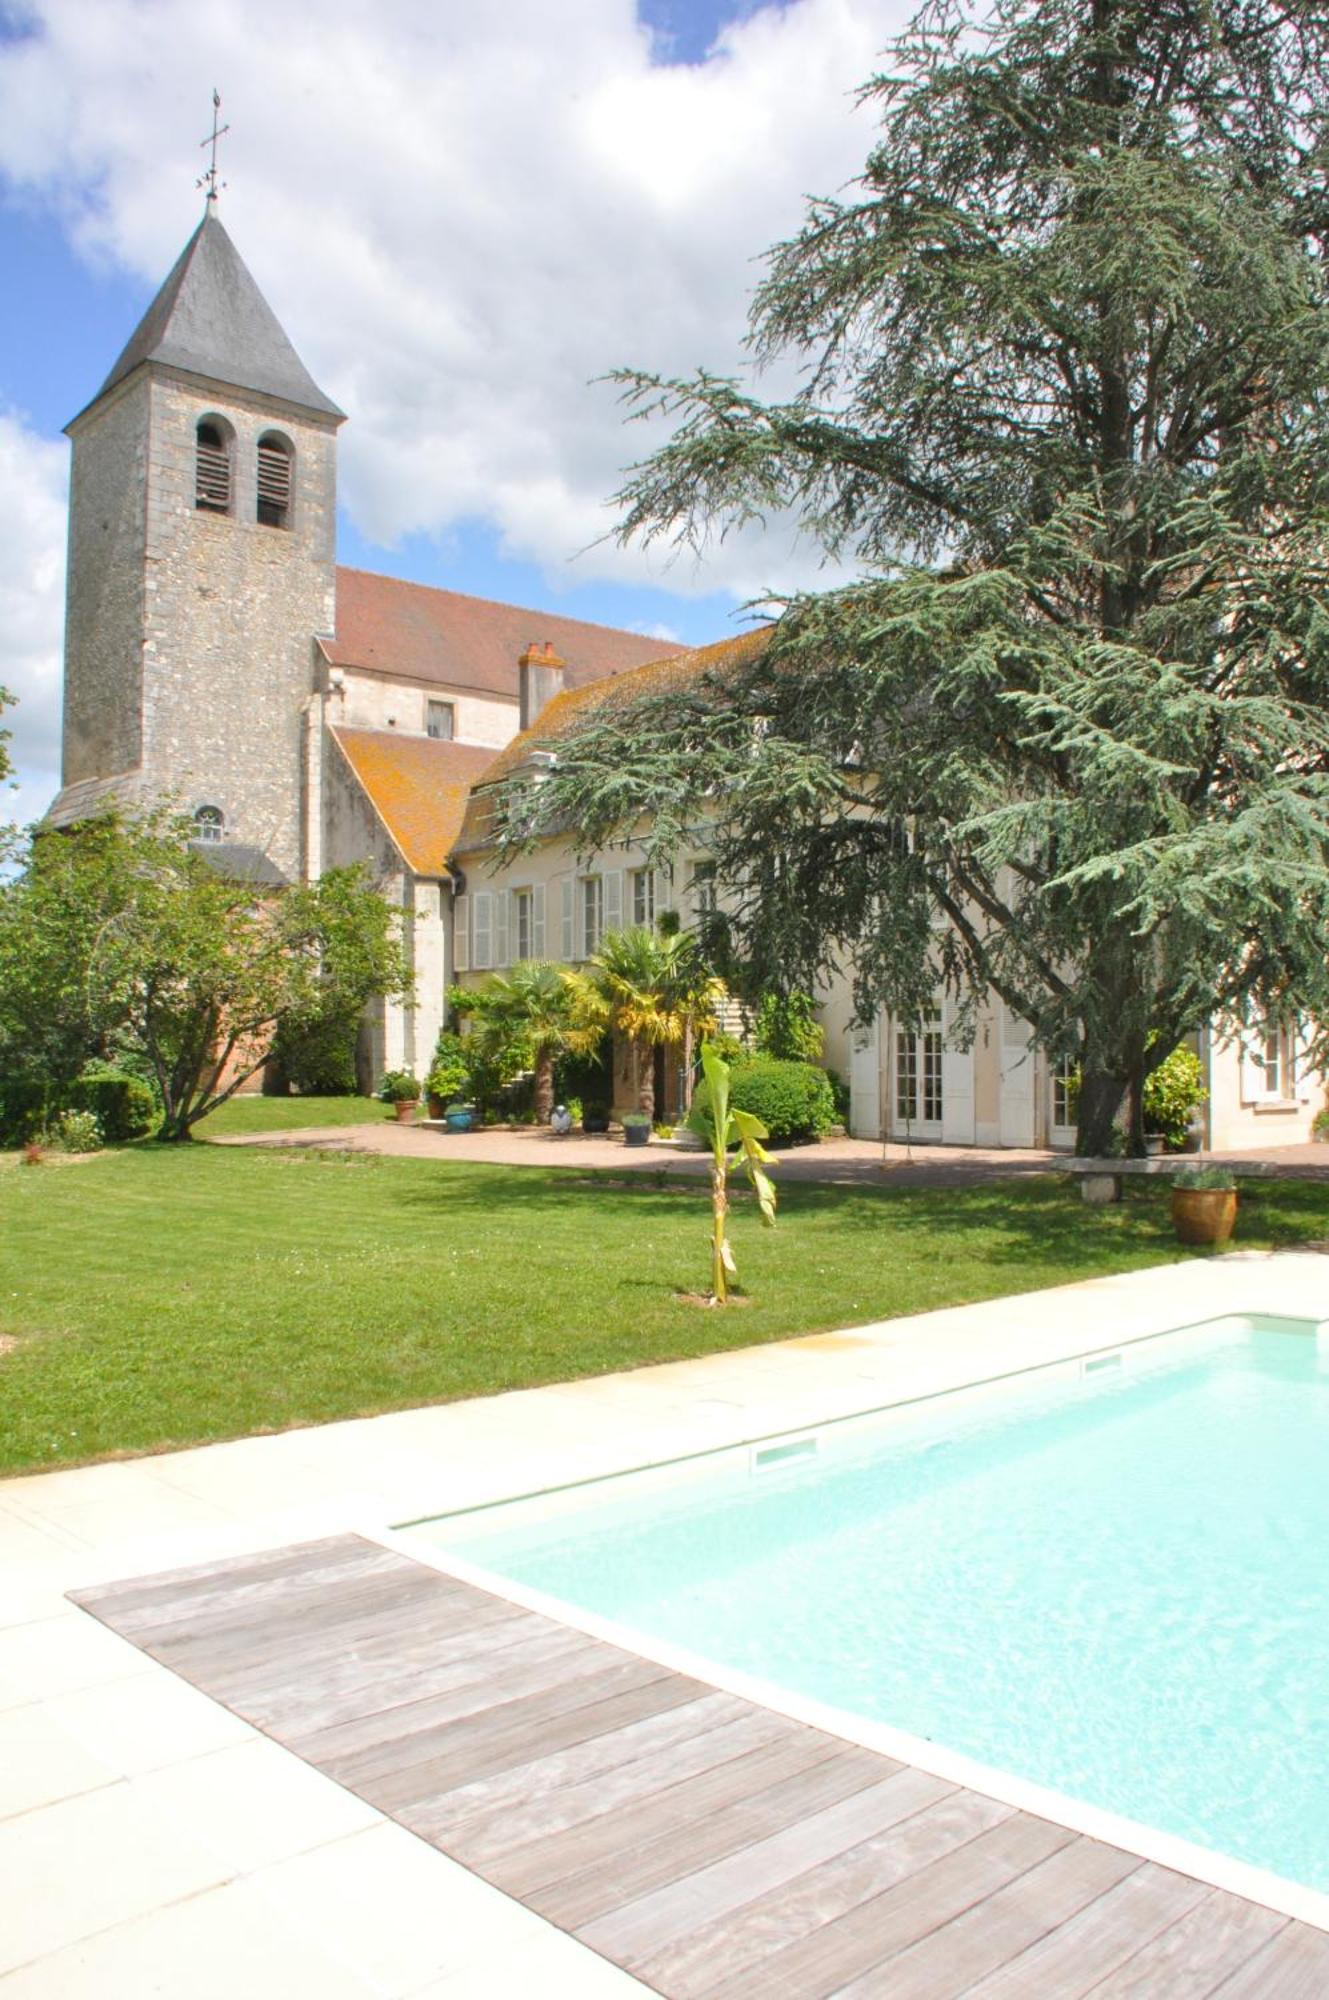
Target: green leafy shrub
(793,1100)
(399,1087)
(316,1057)
(1204,1177)
(788,1029)
(1320,1126)
(1172,1093)
(73,1132)
(449,1074)
(24,1109)
(123,1105)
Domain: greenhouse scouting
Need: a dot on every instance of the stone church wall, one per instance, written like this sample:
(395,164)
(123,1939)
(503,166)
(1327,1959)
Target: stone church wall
(105,601)
(232,607)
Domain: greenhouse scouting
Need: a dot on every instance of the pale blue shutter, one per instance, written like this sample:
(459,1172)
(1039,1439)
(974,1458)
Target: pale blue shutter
(461,934)
(501,901)
(538,921)
(568,946)
(482,930)
(613,900)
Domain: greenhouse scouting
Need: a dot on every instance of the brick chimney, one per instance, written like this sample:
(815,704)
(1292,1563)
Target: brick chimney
(539,679)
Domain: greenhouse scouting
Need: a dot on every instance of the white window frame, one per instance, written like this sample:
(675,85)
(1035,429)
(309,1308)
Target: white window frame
(436,711)
(590,913)
(642,884)
(523,925)
(704,899)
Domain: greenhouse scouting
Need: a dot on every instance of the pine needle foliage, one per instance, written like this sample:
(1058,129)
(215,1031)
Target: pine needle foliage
(1065,358)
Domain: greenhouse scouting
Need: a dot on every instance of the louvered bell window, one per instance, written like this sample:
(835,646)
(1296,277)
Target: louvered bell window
(274,482)
(212,470)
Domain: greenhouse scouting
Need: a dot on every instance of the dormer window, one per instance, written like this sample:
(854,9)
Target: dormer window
(209,824)
(275,460)
(440,720)
(212,467)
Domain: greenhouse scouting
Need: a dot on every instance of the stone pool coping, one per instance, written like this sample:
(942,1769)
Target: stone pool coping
(248,1852)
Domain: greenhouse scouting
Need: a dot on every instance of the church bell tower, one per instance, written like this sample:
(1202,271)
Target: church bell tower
(201,566)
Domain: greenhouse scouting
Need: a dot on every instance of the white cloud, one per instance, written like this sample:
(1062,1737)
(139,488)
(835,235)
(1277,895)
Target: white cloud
(33,481)
(462,215)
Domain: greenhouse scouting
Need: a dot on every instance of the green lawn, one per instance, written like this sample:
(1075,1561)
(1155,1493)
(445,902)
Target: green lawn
(240,1117)
(162,1296)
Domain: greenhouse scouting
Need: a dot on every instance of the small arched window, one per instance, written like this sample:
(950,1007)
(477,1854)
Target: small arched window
(212,466)
(275,464)
(209,823)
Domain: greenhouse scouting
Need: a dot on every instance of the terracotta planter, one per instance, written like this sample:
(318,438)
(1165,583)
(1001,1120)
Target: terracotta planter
(1204,1215)
(406,1109)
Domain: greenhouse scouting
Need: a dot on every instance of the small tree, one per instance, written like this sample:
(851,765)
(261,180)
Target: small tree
(120,938)
(658,993)
(541,1010)
(745,1132)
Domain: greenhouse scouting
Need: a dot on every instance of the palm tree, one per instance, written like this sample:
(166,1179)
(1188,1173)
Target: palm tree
(552,1010)
(657,992)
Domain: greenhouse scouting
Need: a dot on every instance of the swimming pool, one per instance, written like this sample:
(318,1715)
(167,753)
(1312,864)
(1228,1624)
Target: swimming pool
(1108,1577)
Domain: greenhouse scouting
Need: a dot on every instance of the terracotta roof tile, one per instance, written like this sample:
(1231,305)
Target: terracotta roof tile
(416,632)
(602,699)
(418,786)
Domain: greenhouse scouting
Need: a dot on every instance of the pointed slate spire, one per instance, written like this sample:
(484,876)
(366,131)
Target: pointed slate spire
(210,318)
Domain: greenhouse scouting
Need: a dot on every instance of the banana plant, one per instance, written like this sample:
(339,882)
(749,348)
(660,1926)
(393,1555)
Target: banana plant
(744,1131)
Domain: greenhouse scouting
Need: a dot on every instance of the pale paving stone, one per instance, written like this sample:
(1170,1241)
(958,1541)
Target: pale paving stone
(253,1803)
(213,1946)
(139,1725)
(394,1910)
(557,1968)
(73,1869)
(55,1655)
(41,1762)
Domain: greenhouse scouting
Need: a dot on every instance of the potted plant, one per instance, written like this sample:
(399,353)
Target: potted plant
(459,1117)
(595,1117)
(448,1076)
(636,1128)
(1204,1204)
(401,1090)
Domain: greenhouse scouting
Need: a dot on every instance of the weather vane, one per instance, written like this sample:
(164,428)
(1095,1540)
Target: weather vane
(209,179)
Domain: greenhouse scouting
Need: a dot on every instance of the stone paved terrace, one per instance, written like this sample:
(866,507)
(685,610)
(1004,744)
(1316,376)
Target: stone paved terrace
(153,1840)
(838,1162)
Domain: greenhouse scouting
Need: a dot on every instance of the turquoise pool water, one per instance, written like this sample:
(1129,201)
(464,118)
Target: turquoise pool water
(1112,1579)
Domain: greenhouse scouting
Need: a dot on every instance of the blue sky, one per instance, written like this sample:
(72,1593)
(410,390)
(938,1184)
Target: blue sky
(461,222)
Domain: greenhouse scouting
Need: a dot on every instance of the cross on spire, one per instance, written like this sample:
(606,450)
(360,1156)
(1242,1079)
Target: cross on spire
(209,180)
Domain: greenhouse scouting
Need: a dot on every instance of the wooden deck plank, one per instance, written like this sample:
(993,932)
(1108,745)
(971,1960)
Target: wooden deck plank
(542,1818)
(714,1848)
(1292,1966)
(601,1698)
(635,1931)
(657,1838)
(952,1959)
(577,1900)
(1194,1955)
(740,1939)
(826,1960)
(1068,1960)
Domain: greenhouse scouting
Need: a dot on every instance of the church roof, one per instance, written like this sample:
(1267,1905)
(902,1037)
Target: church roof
(418,786)
(599,701)
(210,318)
(414,631)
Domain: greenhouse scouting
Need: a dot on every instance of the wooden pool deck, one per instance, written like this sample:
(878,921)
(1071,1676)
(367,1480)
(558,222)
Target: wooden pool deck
(711,1848)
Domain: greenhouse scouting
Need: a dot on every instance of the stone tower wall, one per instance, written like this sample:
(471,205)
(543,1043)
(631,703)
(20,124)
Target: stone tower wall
(105,593)
(231,611)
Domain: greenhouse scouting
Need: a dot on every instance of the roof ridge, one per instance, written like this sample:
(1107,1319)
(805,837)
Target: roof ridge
(505,604)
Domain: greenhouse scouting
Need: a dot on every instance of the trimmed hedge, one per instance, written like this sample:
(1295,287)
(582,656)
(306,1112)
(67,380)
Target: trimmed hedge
(794,1100)
(123,1105)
